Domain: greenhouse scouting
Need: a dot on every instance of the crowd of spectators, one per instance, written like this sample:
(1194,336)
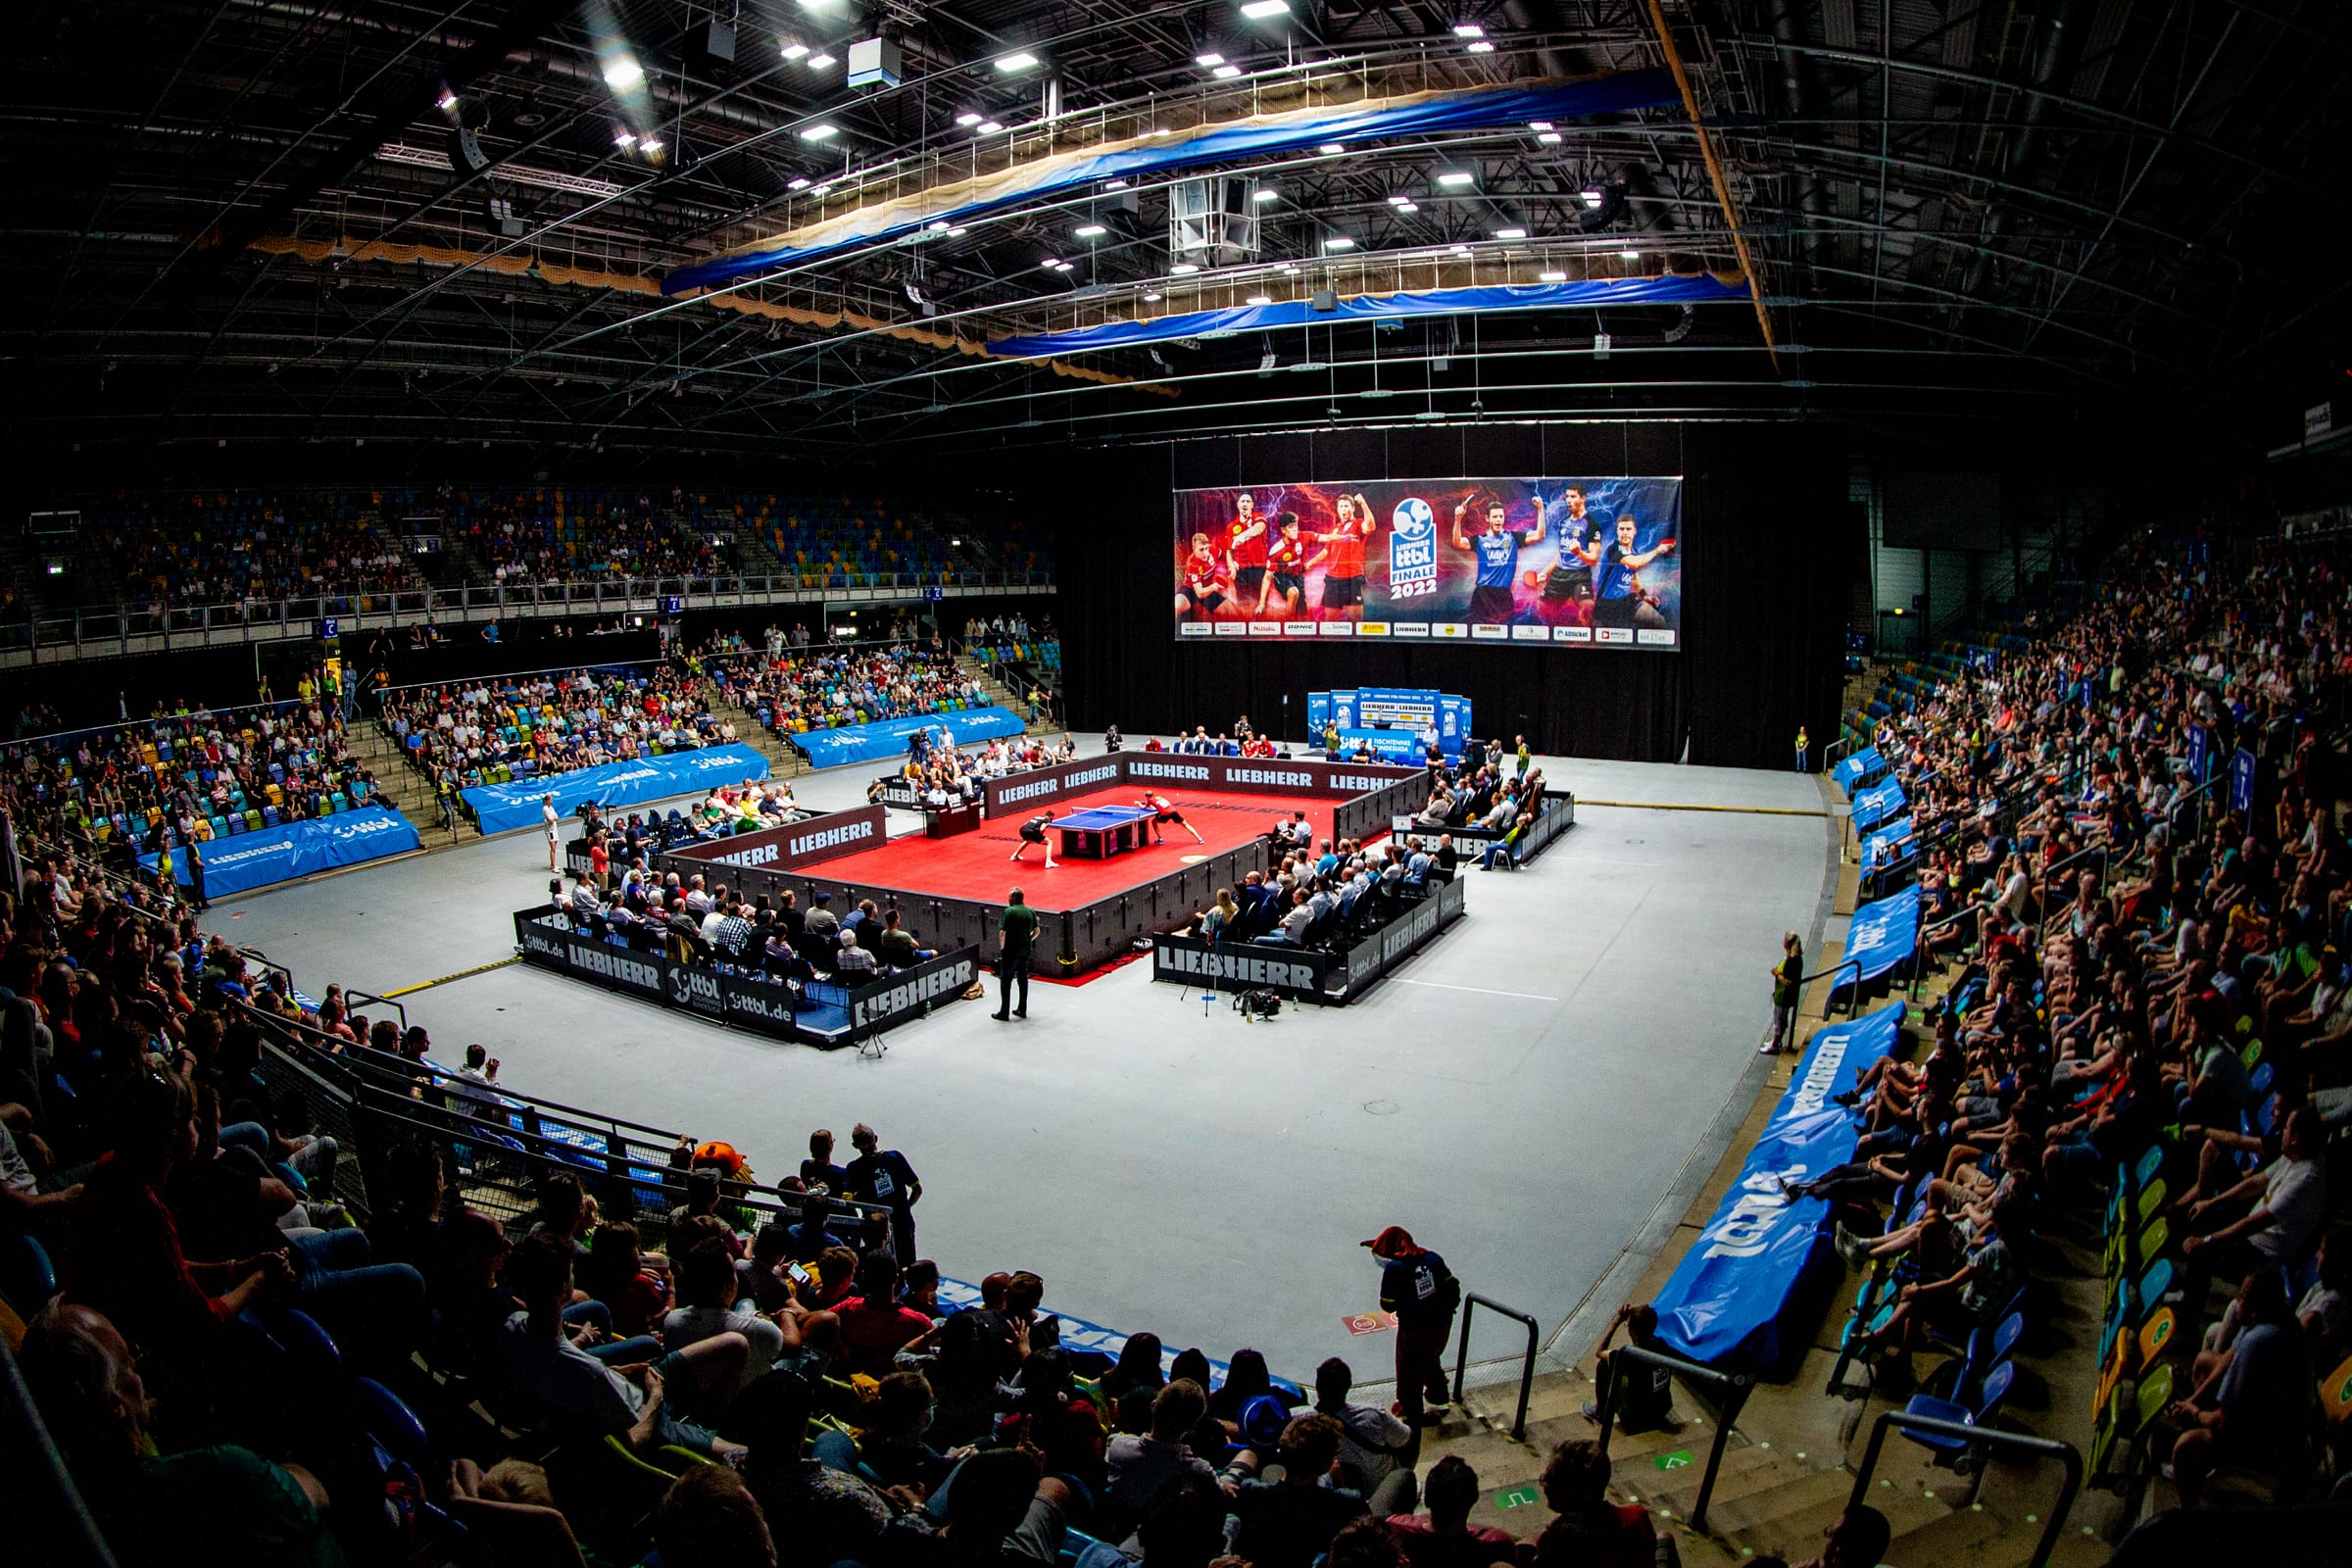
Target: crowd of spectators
(464,733)
(942,773)
(2144,980)
(238,548)
(798,690)
(548,535)
(186,775)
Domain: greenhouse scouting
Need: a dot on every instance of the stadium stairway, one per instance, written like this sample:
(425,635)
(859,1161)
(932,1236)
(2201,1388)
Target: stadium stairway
(406,789)
(783,759)
(1002,694)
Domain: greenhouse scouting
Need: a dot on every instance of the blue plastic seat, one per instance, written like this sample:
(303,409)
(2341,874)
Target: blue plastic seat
(1996,1386)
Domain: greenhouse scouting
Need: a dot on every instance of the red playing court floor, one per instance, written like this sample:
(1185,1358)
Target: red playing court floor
(975,864)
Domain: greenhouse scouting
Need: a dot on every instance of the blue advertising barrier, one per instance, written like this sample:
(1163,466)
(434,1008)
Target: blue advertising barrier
(1737,1301)
(290,850)
(1874,808)
(1388,745)
(863,743)
(503,807)
(1882,934)
(1886,846)
(1865,763)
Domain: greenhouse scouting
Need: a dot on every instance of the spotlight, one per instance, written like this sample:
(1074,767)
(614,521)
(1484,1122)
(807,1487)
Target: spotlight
(448,100)
(1469,30)
(1263,194)
(798,183)
(1260,10)
(1553,277)
(957,231)
(1549,138)
(823,130)
(650,147)
(1260,299)
(1331,149)
(1226,73)
(1538,124)
(623,72)
(819,60)
(1019,61)
(1456,178)
(1208,61)
(1339,242)
(1511,233)
(793,50)
(967,117)
(988,127)
(1149,295)
(1091,232)
(1629,255)
(1182,268)
(1482,47)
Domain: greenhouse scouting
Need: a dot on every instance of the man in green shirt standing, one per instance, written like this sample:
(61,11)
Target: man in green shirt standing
(1016,936)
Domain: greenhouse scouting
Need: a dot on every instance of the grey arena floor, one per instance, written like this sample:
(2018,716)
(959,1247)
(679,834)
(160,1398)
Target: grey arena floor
(1536,1096)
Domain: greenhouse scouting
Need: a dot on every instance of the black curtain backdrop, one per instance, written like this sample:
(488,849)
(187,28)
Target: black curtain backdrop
(1766,579)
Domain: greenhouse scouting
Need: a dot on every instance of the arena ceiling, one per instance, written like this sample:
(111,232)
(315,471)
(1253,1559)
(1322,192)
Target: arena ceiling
(448,221)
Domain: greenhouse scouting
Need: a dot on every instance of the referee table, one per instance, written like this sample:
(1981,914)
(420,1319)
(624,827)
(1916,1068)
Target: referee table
(1105,831)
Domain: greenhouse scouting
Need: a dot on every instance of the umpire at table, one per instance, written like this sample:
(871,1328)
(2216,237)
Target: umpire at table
(1416,1285)
(1016,938)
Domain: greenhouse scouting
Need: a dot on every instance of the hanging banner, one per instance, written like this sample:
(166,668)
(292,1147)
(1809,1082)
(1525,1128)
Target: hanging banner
(291,850)
(1737,1301)
(1884,934)
(503,807)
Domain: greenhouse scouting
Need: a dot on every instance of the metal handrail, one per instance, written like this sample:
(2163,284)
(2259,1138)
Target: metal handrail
(1989,1438)
(1735,1387)
(1829,1002)
(69,1534)
(1471,1302)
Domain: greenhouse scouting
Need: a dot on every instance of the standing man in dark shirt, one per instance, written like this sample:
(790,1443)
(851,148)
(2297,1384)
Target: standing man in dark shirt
(819,1173)
(1786,976)
(881,1175)
(1016,936)
(1421,1291)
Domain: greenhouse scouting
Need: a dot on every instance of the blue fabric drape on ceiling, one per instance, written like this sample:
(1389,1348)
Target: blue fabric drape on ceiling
(1478,109)
(1589,294)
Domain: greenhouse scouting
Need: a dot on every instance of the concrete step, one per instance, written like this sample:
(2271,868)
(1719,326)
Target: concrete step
(1785,1513)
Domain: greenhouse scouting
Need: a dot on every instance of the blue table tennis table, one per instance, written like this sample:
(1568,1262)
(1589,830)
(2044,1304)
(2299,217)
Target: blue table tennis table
(1105,831)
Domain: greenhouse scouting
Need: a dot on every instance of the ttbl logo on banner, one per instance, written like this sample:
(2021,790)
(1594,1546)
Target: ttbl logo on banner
(1412,550)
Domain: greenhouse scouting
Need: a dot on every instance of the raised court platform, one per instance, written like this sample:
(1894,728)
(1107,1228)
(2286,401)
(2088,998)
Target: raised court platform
(977,864)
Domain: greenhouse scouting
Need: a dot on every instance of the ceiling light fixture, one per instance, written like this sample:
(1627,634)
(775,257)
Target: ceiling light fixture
(1549,138)
(1629,255)
(957,231)
(1182,268)
(1226,73)
(1460,250)
(1285,267)
(623,72)
(1331,149)
(1021,60)
(1480,47)
(1260,299)
(799,182)
(447,100)
(1456,178)
(819,60)
(1209,61)
(1114,184)
(822,190)
(1260,10)
(967,117)
(1553,277)
(650,147)
(1592,198)
(1469,30)
(988,127)
(1265,193)
(1149,295)
(1091,231)
(1399,200)
(1339,242)
(1051,260)
(623,138)
(1408,207)
(794,49)
(937,225)
(821,131)
(1511,233)
(1538,124)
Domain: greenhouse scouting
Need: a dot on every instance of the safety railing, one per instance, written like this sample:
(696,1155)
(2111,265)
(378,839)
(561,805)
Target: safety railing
(1732,1388)
(113,630)
(2102,853)
(1471,1303)
(1979,1439)
(1829,1002)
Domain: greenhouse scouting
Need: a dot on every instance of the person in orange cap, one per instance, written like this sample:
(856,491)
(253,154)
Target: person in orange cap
(1421,1291)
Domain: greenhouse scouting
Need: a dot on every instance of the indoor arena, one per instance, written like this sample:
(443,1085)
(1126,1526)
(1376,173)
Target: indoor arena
(1218,784)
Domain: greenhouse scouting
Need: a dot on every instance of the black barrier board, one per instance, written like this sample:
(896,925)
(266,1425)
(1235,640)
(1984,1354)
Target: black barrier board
(1297,974)
(909,991)
(1408,934)
(775,849)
